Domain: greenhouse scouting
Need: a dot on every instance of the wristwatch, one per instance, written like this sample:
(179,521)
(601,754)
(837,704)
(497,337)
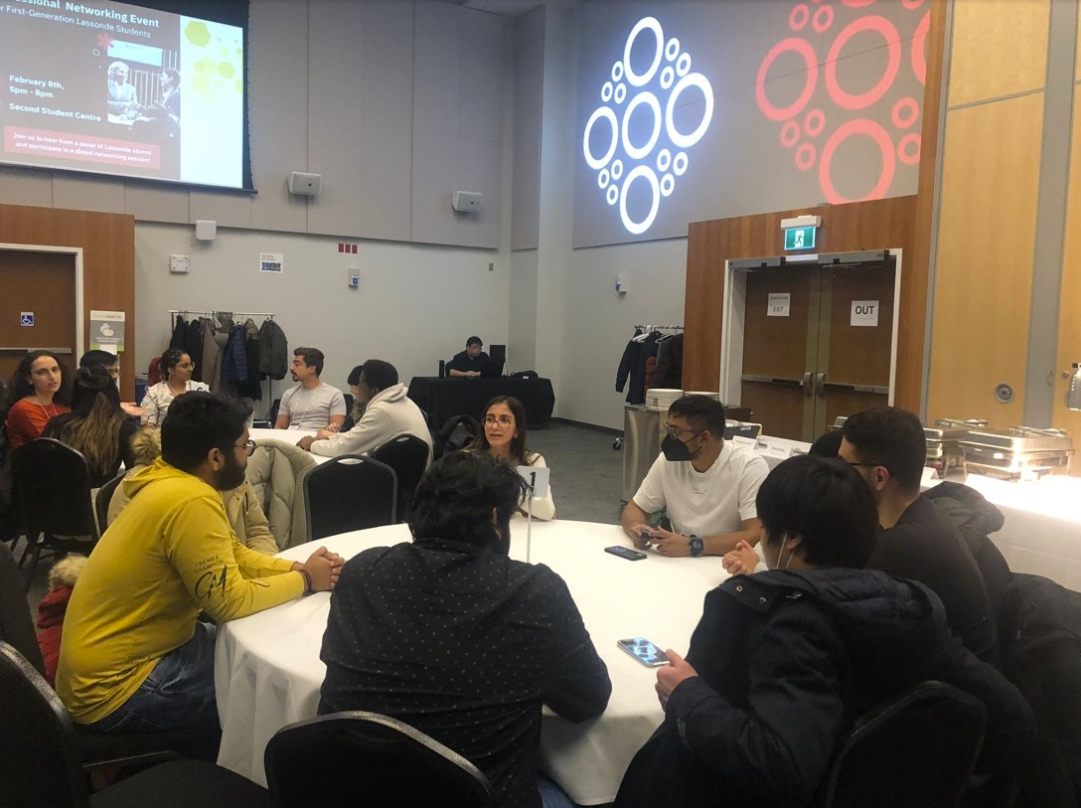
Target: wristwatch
(696,545)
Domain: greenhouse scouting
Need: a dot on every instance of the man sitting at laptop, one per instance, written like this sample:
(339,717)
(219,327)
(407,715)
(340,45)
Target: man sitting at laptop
(470,363)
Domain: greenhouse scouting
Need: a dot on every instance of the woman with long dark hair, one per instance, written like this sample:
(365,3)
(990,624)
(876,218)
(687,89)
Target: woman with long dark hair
(36,394)
(504,437)
(176,369)
(96,426)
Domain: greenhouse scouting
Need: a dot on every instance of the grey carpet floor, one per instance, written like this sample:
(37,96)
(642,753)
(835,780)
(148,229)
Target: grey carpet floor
(587,474)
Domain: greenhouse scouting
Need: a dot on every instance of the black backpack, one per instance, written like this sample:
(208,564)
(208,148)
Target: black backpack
(459,432)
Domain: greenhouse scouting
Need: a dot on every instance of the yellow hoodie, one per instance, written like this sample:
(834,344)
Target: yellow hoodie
(169,555)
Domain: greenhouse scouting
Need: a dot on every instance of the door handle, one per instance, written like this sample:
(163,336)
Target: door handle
(808,387)
(820,384)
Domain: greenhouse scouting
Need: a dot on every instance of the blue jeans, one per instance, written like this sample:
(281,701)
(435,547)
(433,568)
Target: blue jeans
(552,796)
(178,693)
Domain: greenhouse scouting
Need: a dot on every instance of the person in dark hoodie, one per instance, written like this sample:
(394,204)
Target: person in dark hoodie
(783,662)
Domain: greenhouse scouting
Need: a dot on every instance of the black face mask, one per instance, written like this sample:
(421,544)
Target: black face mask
(675,450)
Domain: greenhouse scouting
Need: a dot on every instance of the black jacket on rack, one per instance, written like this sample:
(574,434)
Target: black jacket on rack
(180,333)
(669,370)
(193,347)
(633,366)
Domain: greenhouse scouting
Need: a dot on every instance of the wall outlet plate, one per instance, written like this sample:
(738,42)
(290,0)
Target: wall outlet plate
(352,277)
(179,264)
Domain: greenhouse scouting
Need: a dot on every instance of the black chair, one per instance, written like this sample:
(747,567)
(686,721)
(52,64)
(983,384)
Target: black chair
(349,493)
(442,368)
(40,758)
(272,416)
(917,749)
(16,625)
(104,497)
(408,456)
(369,759)
(52,486)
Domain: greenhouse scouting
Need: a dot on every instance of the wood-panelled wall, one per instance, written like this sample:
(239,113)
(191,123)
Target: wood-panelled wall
(108,243)
(990,185)
(1069,323)
(903,222)
(859,226)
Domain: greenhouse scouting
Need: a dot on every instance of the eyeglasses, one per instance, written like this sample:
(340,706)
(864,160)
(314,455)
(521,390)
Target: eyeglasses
(870,465)
(676,431)
(186,365)
(248,447)
(506,420)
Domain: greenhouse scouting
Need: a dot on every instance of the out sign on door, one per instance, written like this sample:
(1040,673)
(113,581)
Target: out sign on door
(864,313)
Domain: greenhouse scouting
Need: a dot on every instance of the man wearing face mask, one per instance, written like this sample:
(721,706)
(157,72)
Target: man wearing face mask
(708,486)
(783,661)
(454,638)
(133,656)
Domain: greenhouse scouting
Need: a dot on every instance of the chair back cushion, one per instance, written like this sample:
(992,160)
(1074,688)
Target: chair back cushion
(274,471)
(369,759)
(52,483)
(16,625)
(39,757)
(408,456)
(348,493)
(916,749)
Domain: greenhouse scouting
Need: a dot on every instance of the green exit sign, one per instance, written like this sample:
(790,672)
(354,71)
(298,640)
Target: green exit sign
(799,238)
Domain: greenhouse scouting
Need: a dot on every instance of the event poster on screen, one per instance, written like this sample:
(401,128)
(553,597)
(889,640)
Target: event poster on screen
(119,89)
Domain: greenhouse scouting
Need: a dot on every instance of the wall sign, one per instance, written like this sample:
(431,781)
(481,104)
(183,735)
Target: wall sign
(780,304)
(799,238)
(107,330)
(864,313)
(271,262)
(26,318)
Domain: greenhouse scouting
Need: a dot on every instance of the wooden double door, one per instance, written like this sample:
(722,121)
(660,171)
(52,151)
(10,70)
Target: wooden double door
(817,344)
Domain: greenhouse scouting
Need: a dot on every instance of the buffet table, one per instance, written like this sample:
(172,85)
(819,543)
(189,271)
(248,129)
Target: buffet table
(445,398)
(268,672)
(1042,532)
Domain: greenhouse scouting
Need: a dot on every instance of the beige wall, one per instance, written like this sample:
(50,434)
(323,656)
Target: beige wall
(988,206)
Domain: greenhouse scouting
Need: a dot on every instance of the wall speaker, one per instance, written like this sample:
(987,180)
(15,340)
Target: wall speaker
(303,184)
(206,229)
(466,201)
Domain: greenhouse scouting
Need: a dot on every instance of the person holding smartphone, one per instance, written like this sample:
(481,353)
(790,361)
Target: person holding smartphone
(707,485)
(783,662)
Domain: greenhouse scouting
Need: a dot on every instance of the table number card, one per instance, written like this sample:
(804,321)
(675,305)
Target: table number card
(537,478)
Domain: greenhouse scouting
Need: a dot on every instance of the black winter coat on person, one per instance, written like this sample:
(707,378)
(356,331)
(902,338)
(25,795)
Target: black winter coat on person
(786,662)
(976,519)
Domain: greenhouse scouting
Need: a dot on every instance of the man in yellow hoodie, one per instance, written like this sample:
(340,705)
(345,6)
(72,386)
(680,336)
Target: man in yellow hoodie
(133,656)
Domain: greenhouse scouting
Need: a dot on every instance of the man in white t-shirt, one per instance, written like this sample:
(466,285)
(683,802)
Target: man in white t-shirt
(311,404)
(708,486)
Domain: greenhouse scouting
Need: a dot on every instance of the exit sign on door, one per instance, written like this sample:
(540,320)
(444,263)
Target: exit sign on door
(799,238)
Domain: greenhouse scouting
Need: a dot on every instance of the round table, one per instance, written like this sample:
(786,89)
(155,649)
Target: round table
(268,672)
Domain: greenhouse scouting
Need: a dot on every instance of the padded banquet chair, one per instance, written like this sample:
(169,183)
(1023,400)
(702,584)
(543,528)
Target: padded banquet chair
(40,763)
(408,456)
(918,748)
(369,759)
(16,625)
(104,497)
(351,492)
(52,485)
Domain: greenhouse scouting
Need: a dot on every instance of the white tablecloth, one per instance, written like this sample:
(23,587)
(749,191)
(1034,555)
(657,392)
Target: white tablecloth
(268,672)
(290,436)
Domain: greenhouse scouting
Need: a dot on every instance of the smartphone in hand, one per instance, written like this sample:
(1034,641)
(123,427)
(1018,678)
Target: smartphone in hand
(644,651)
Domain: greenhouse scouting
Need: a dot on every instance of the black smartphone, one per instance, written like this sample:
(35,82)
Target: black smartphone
(625,552)
(644,651)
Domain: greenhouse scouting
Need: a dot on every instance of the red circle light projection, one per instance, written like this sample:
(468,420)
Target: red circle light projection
(886,113)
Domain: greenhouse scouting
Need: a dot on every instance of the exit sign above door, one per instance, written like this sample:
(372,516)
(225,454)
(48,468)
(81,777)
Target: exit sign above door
(799,238)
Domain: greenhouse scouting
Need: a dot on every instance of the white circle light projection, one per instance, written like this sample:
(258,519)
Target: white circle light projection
(612,139)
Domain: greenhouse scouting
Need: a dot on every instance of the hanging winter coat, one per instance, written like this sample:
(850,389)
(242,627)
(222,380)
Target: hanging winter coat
(273,351)
(234,361)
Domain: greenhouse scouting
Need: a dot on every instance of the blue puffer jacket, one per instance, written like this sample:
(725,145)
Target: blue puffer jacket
(787,661)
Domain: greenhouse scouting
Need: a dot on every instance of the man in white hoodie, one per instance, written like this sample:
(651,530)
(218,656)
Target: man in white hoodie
(389,413)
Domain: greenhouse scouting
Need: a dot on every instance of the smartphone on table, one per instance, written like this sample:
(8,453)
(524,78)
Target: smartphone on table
(625,552)
(644,651)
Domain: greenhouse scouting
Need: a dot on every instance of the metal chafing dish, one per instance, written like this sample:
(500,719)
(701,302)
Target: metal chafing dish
(944,452)
(1018,451)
